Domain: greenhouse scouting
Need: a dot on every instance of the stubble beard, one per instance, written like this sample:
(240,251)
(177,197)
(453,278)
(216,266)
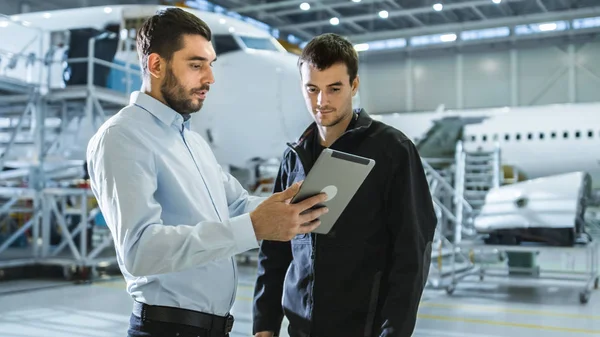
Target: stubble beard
(175,95)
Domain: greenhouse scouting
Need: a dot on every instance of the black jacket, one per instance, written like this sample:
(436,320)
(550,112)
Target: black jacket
(366,277)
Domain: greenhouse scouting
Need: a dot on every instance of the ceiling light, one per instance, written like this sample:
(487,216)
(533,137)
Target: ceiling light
(384,14)
(334,21)
(47,15)
(107,10)
(545,27)
(448,37)
(438,7)
(496,1)
(222,21)
(231,29)
(305,6)
(361,47)
(3,24)
(355,0)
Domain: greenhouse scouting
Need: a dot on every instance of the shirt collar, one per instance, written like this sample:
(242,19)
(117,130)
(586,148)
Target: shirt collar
(160,110)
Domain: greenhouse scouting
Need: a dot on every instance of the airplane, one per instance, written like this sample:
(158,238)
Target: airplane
(563,137)
(555,148)
(252,110)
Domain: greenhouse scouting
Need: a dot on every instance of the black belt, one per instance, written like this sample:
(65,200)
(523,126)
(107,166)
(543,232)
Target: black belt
(198,319)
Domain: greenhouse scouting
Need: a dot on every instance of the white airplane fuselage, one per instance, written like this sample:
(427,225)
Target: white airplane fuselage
(539,141)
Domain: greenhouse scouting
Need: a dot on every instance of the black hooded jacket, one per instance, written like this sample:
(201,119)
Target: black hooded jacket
(366,277)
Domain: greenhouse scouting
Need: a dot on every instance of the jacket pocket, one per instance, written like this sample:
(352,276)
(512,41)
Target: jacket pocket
(373,304)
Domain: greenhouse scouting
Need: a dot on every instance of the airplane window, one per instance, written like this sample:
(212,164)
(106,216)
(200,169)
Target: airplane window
(473,138)
(590,133)
(261,43)
(566,134)
(553,135)
(530,136)
(541,135)
(518,136)
(484,138)
(225,43)
(506,136)
(495,136)
(577,134)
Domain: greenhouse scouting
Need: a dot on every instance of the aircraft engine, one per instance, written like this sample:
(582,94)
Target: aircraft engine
(549,210)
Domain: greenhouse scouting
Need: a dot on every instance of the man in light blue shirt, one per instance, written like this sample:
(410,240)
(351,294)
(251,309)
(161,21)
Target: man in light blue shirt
(176,217)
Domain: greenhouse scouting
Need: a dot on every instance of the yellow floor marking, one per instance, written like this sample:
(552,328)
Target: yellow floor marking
(507,310)
(515,325)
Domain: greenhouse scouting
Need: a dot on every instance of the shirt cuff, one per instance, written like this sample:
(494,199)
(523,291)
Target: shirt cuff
(243,233)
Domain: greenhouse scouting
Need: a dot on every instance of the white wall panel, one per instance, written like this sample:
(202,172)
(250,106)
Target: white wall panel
(434,81)
(588,72)
(538,75)
(388,79)
(542,76)
(486,79)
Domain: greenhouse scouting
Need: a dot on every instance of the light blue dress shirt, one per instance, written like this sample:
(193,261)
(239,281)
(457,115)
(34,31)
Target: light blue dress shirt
(177,219)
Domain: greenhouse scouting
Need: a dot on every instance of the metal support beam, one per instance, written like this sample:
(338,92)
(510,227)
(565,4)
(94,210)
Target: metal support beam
(460,94)
(479,13)
(572,73)
(541,5)
(412,18)
(514,77)
(409,84)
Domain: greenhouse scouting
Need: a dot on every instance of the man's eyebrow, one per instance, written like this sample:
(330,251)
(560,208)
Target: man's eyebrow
(199,58)
(329,85)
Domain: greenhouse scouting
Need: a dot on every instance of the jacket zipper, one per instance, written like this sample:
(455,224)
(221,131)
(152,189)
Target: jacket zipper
(314,279)
(313,244)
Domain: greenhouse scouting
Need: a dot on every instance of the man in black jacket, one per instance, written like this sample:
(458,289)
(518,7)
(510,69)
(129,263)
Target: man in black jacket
(366,277)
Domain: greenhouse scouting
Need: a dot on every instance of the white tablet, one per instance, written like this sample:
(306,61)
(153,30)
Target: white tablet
(339,175)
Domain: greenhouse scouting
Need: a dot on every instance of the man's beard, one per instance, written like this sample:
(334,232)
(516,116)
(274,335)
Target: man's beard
(176,97)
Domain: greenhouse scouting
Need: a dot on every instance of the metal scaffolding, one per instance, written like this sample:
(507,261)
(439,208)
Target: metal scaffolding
(48,215)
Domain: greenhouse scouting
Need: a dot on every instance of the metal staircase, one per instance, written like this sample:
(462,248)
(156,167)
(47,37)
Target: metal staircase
(480,173)
(458,188)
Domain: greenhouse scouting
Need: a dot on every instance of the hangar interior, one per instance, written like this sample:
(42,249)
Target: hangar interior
(496,94)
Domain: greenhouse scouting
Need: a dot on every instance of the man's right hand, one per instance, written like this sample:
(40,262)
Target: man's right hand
(276,219)
(264,334)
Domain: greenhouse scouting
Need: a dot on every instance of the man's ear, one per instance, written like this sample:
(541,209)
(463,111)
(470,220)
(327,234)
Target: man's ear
(156,65)
(355,85)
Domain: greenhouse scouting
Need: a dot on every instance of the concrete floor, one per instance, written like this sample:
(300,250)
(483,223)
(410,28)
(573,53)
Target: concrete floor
(102,309)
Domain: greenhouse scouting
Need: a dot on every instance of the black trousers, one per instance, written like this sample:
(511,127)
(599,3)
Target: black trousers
(139,327)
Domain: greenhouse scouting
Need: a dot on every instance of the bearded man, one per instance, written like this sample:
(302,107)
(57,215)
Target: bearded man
(178,219)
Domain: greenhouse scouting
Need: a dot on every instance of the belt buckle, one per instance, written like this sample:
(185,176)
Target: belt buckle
(229,323)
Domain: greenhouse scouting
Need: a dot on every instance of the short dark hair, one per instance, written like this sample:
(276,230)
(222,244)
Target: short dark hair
(325,50)
(163,33)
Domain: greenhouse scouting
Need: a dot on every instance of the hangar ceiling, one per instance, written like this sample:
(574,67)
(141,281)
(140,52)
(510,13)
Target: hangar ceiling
(404,23)
(367,20)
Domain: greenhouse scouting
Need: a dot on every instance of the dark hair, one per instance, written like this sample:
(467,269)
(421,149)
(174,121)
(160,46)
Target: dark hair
(163,33)
(325,50)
